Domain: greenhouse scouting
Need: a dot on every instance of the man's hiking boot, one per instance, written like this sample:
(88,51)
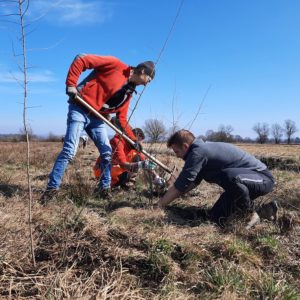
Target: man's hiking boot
(103,193)
(268,211)
(254,220)
(48,195)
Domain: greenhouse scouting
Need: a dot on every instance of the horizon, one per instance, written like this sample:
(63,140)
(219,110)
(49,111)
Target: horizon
(295,139)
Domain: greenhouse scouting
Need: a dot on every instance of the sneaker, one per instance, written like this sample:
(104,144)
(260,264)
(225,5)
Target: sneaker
(268,211)
(104,193)
(48,195)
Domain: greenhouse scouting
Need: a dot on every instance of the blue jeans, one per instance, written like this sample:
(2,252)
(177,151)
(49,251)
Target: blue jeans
(79,120)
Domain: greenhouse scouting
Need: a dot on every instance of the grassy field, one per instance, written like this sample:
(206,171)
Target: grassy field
(126,249)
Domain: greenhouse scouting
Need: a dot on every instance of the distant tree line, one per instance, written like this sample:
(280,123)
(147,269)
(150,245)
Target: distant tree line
(275,132)
(21,137)
(156,132)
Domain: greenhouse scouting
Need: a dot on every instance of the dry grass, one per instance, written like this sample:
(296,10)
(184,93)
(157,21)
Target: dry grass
(126,249)
(281,150)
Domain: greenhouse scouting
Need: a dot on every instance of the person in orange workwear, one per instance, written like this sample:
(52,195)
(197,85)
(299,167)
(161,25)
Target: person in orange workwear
(126,161)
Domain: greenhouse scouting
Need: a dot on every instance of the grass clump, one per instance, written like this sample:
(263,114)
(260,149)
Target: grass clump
(238,248)
(159,258)
(223,276)
(268,241)
(271,286)
(269,248)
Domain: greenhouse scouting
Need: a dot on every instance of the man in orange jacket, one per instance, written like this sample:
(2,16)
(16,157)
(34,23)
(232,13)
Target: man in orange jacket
(108,89)
(126,161)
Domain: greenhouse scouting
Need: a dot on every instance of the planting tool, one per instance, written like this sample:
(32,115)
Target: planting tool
(117,130)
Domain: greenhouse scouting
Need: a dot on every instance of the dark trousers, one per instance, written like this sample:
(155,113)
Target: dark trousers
(241,187)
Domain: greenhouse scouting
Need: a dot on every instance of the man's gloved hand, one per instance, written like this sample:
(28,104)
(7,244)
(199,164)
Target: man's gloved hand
(71,91)
(146,165)
(137,146)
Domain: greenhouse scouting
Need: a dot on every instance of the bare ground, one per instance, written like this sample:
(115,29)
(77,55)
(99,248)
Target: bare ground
(127,249)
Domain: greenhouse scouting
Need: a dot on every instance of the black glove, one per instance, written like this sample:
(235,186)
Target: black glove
(71,91)
(137,146)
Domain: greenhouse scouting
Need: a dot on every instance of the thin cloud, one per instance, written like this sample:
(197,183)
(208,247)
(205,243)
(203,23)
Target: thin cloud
(33,77)
(71,12)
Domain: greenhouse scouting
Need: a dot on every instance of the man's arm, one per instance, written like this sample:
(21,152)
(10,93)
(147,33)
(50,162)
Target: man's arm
(123,122)
(191,171)
(132,167)
(82,62)
(117,145)
(169,196)
(121,157)
(173,194)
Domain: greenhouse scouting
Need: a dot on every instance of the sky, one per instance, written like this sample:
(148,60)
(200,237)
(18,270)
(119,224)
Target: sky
(229,62)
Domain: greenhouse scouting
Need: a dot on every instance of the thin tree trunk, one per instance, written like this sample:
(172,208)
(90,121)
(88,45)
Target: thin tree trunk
(23,42)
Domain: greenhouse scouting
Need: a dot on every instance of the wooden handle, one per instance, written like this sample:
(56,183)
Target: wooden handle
(117,130)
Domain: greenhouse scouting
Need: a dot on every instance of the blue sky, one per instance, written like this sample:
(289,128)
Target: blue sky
(245,52)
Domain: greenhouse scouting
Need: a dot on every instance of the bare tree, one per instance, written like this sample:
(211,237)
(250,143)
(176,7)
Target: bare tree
(174,126)
(222,135)
(263,132)
(209,132)
(276,131)
(199,109)
(19,9)
(155,130)
(289,128)
(237,138)
(226,130)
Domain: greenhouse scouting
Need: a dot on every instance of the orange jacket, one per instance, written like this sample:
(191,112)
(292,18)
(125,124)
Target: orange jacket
(122,153)
(108,76)
(120,150)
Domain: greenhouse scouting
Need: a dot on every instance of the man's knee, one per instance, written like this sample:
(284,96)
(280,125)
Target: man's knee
(257,184)
(240,189)
(67,154)
(242,199)
(105,152)
(106,158)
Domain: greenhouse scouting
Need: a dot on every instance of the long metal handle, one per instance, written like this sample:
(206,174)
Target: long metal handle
(117,130)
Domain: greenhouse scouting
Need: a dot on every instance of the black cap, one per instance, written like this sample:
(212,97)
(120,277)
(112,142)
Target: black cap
(148,67)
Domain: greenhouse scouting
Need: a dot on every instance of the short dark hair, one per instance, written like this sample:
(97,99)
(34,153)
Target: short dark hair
(180,137)
(147,66)
(139,132)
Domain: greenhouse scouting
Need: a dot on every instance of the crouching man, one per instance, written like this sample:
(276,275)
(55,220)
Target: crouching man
(241,175)
(126,161)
